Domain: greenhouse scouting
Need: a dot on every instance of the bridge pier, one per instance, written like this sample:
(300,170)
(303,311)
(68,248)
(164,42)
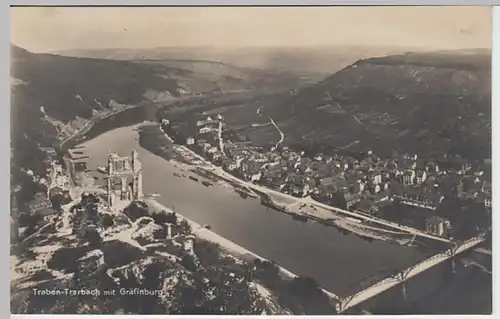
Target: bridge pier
(403,291)
(449,269)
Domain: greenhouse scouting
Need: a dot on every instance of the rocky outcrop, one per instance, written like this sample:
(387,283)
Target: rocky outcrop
(148,233)
(92,261)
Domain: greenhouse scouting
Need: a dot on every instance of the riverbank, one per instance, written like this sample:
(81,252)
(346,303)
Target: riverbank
(90,124)
(299,208)
(225,244)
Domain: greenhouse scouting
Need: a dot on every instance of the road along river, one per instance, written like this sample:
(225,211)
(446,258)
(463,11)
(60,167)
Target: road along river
(336,260)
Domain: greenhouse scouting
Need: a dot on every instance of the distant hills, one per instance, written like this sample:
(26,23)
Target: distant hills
(56,81)
(47,89)
(50,91)
(435,102)
(323,60)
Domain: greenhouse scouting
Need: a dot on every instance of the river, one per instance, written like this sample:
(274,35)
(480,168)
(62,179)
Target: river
(337,261)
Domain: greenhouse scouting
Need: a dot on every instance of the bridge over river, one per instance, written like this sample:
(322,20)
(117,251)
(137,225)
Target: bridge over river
(400,277)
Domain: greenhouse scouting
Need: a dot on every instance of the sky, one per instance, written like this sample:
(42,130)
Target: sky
(44,29)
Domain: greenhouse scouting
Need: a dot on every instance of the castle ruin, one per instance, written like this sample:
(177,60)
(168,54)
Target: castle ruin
(124,178)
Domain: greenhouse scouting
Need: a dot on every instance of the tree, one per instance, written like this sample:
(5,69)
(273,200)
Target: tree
(338,200)
(107,221)
(136,210)
(93,237)
(311,297)
(184,227)
(257,262)
(57,201)
(164,217)
(171,218)
(31,222)
(189,263)
(306,286)
(208,252)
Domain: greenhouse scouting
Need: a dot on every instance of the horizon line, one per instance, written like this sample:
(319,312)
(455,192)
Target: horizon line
(359,46)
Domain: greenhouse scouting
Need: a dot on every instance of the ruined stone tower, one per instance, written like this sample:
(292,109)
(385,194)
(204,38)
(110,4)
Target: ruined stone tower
(124,178)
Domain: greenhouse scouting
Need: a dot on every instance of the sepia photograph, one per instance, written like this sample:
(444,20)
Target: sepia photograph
(309,160)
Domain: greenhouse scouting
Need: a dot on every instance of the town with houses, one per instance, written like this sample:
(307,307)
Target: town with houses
(367,185)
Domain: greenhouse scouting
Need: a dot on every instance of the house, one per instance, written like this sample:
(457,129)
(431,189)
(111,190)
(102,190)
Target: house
(377,178)
(318,157)
(256,177)
(205,130)
(217,156)
(487,202)
(408,177)
(208,121)
(351,199)
(57,168)
(438,226)
(190,141)
(233,164)
(361,186)
(212,150)
(250,168)
(421,176)
(297,184)
(206,147)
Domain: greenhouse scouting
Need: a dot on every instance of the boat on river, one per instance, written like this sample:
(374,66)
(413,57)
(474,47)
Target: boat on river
(207,184)
(300,218)
(102,169)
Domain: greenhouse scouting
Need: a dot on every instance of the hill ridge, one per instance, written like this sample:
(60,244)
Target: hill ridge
(400,103)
